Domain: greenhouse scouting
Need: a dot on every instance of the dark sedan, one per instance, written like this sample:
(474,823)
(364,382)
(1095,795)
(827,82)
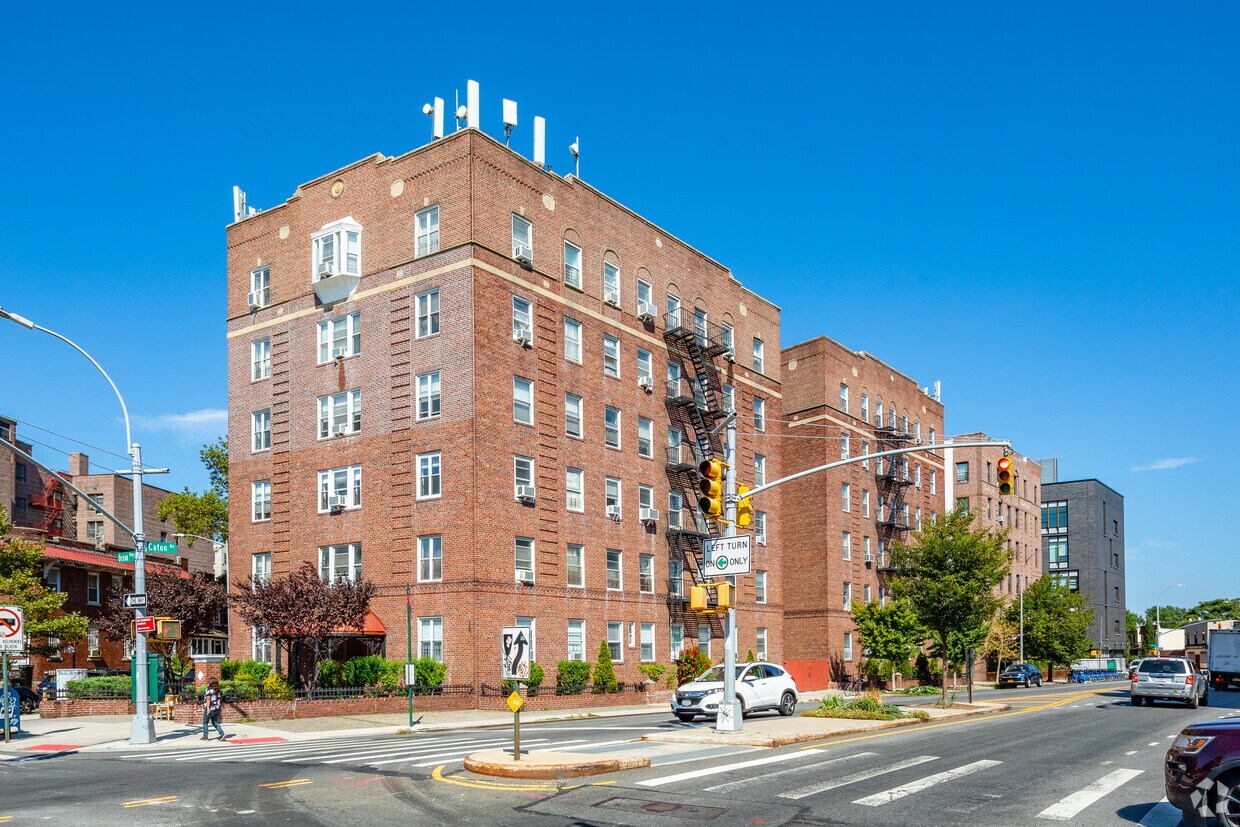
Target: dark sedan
(1020,674)
(1202,772)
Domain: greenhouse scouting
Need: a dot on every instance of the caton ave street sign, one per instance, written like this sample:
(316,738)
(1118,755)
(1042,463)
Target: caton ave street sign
(728,555)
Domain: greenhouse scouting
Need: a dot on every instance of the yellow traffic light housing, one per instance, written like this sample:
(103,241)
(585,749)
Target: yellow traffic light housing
(1007,475)
(744,506)
(712,598)
(711,486)
(167,629)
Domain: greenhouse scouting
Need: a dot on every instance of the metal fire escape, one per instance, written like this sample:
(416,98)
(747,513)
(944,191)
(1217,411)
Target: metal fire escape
(694,406)
(52,501)
(892,477)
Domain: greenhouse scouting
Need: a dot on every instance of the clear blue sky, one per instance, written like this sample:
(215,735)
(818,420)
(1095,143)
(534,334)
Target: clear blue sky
(1038,208)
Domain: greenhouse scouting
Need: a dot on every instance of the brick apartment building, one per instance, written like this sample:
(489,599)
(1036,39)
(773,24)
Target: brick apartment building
(842,403)
(457,372)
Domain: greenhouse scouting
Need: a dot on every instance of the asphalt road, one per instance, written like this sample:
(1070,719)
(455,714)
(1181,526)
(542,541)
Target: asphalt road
(1079,753)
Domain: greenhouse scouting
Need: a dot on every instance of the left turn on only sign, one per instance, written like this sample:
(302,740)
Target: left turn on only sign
(12,629)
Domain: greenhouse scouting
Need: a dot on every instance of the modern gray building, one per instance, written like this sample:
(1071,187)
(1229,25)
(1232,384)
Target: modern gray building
(1083,549)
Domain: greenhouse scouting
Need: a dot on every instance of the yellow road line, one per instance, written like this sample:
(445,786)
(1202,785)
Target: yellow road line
(146,802)
(5,819)
(293,782)
(479,784)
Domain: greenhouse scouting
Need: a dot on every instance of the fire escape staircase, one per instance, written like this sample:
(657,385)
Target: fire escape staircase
(891,476)
(52,501)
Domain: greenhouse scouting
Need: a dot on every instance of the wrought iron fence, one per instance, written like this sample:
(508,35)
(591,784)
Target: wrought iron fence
(621,688)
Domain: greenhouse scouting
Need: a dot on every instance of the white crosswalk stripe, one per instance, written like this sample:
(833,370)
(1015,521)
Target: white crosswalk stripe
(1070,805)
(357,750)
(744,782)
(863,775)
(741,765)
(887,796)
(575,748)
(406,749)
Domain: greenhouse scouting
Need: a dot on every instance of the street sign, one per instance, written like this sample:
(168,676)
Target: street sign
(144,624)
(515,653)
(161,547)
(514,701)
(134,601)
(728,555)
(12,629)
(124,556)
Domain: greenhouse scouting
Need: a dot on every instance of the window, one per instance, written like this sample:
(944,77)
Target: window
(531,624)
(260,497)
(260,646)
(845,497)
(521,317)
(759,470)
(92,591)
(1115,587)
(846,545)
(260,359)
(572,265)
(844,447)
(644,294)
(646,653)
(865,452)
(615,640)
(843,398)
(918,518)
(674,440)
(523,400)
(645,573)
(878,413)
(865,407)
(338,250)
(673,312)
(645,437)
(572,415)
(1057,552)
(341,336)
(759,527)
(917,475)
(614,579)
(428,313)
(343,482)
(522,238)
(522,474)
(429,476)
(260,567)
(673,380)
(340,562)
(678,640)
(430,558)
(577,640)
(760,643)
(428,395)
(759,355)
(931,436)
(645,497)
(574,490)
(726,336)
(260,430)
(865,503)
(94,530)
(572,340)
(865,548)
(575,566)
(675,502)
(523,557)
(611,283)
(962,472)
(645,369)
(1055,517)
(430,638)
(759,586)
(611,356)
(340,413)
(611,497)
(51,575)
(848,652)
(934,482)
(988,469)
(426,233)
(611,427)
(260,286)
(759,414)
(700,328)
(729,399)
(1069,580)
(703,635)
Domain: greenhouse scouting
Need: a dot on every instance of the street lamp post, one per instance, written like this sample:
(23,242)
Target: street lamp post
(142,728)
(1021,592)
(1158,616)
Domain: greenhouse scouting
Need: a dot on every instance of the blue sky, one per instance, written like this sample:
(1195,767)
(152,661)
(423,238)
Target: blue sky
(1038,207)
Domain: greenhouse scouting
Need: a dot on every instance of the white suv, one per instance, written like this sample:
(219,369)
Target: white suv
(1170,679)
(758,686)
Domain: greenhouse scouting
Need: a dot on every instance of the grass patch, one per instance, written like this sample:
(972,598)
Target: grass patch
(918,690)
(868,707)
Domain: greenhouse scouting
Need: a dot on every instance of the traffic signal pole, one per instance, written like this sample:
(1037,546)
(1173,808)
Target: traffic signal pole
(729,717)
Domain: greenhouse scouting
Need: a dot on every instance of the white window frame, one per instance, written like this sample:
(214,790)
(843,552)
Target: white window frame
(522,237)
(612,433)
(572,340)
(522,315)
(759,355)
(610,499)
(575,484)
(847,596)
(260,359)
(759,413)
(572,273)
(576,639)
(430,398)
(865,407)
(260,567)
(645,367)
(760,643)
(845,497)
(848,646)
(647,649)
(260,501)
(845,447)
(430,475)
(729,399)
(611,283)
(93,576)
(675,509)
(611,356)
(328,417)
(673,311)
(726,338)
(330,334)
(518,463)
(426,231)
(865,502)
(346,480)
(616,647)
(260,431)
(428,314)
(573,401)
(645,573)
(759,470)
(94,529)
(260,283)
(521,545)
(430,638)
(430,558)
(579,551)
(934,481)
(843,397)
(846,545)
(618,571)
(645,437)
(346,243)
(677,640)
(645,496)
(759,527)
(522,387)
(645,293)
(759,586)
(353,553)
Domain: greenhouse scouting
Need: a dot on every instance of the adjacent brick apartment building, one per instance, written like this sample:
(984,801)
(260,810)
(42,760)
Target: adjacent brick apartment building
(843,404)
(457,372)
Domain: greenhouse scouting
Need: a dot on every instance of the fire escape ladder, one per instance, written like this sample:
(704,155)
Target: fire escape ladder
(892,479)
(52,503)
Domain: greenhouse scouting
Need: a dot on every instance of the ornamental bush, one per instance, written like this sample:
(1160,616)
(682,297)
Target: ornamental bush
(653,671)
(366,670)
(254,671)
(330,674)
(112,686)
(691,663)
(572,675)
(429,672)
(604,672)
(277,688)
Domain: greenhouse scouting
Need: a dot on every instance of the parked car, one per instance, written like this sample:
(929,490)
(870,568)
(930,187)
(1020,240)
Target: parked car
(1169,679)
(1020,674)
(48,683)
(1202,772)
(1132,667)
(29,700)
(758,686)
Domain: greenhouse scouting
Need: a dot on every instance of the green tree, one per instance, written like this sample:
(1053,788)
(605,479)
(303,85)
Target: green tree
(889,633)
(1056,623)
(1002,642)
(1169,616)
(204,514)
(948,575)
(1131,621)
(1220,608)
(21,584)
(604,672)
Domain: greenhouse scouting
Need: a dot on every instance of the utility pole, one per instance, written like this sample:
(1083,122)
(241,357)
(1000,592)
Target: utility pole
(729,718)
(1021,592)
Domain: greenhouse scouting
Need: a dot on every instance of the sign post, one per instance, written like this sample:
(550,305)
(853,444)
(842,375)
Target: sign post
(515,666)
(12,633)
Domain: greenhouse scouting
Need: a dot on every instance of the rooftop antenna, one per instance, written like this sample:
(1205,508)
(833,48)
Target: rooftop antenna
(510,118)
(472,100)
(239,211)
(459,112)
(435,110)
(575,148)
(540,141)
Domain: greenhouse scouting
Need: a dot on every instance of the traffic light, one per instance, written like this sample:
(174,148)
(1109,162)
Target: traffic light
(744,506)
(710,598)
(167,629)
(1007,475)
(711,486)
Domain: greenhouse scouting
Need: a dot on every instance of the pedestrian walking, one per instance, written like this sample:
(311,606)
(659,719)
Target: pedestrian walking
(211,703)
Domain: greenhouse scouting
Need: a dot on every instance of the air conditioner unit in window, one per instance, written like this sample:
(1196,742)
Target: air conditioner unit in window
(338,353)
(646,311)
(525,493)
(869,557)
(648,515)
(340,430)
(645,384)
(255,299)
(523,336)
(613,512)
(729,355)
(524,255)
(93,654)
(337,501)
(525,576)
(612,299)
(324,269)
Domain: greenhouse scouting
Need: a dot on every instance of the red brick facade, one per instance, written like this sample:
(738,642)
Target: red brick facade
(478,186)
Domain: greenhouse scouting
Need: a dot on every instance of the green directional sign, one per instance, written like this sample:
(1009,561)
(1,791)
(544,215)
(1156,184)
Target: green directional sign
(161,547)
(124,556)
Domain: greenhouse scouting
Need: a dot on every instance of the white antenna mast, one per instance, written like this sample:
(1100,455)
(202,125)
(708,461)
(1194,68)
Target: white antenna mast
(472,102)
(510,118)
(540,141)
(238,204)
(435,110)
(575,148)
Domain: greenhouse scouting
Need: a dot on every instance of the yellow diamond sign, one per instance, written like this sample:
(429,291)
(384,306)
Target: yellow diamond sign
(514,702)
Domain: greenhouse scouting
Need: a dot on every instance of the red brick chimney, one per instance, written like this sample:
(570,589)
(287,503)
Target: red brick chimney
(79,464)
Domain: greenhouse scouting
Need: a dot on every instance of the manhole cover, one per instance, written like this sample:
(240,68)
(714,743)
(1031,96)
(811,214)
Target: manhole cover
(662,808)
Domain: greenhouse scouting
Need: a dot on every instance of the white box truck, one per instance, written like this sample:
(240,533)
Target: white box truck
(1223,660)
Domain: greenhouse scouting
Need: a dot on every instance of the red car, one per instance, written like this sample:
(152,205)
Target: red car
(1202,772)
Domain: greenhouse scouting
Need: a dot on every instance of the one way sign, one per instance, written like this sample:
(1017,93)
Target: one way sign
(515,651)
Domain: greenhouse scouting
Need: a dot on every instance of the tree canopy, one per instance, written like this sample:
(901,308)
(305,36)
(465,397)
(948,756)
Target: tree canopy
(889,633)
(1056,623)
(198,601)
(21,584)
(204,514)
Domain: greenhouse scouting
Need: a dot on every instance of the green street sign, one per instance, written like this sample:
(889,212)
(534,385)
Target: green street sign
(161,547)
(124,556)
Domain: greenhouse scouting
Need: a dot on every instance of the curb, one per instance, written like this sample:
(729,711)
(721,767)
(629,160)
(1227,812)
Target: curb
(477,763)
